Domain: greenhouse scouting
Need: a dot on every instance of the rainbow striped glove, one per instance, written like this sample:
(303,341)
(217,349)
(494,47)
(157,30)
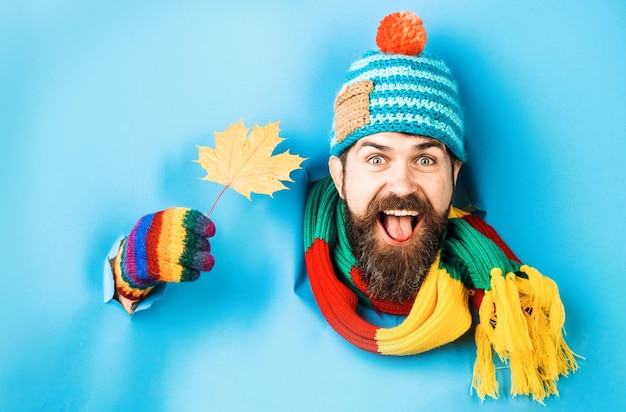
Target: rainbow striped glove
(167,246)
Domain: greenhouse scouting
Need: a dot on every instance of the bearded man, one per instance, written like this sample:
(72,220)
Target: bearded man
(381,231)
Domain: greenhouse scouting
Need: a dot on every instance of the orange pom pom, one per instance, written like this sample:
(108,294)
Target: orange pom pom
(401,33)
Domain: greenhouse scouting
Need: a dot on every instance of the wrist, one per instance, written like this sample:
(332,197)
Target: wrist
(126,294)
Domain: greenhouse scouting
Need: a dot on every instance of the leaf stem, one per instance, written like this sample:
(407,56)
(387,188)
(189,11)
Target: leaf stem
(218,198)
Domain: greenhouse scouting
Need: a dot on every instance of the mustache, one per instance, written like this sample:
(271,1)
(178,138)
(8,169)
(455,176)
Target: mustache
(394,202)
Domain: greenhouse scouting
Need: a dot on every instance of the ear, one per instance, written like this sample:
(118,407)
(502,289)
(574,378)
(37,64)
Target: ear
(336,173)
(456,168)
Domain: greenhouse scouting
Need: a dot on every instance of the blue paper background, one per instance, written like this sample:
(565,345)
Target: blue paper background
(102,104)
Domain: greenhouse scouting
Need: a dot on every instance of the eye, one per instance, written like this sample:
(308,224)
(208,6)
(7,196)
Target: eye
(376,160)
(425,161)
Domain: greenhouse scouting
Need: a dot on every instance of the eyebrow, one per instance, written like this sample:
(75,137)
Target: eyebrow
(376,146)
(420,146)
(429,144)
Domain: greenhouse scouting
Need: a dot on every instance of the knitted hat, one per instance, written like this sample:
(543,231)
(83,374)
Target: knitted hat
(399,89)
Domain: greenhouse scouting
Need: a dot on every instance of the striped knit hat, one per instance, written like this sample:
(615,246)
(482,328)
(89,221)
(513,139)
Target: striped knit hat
(399,89)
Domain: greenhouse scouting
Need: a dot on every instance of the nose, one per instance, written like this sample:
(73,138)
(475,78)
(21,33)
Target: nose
(401,180)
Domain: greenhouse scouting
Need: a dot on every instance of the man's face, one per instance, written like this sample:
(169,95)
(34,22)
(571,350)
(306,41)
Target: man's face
(398,189)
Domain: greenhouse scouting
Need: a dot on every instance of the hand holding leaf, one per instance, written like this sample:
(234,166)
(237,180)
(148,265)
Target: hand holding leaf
(246,163)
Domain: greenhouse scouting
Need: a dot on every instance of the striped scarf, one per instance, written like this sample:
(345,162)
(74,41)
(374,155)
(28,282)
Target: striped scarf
(521,316)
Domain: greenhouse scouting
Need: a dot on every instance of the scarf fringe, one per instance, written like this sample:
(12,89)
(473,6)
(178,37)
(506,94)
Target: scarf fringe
(521,320)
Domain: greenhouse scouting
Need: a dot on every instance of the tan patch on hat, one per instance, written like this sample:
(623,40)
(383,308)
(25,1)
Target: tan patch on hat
(352,108)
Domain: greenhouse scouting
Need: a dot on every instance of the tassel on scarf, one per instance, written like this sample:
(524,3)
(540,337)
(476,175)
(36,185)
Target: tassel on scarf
(484,380)
(521,320)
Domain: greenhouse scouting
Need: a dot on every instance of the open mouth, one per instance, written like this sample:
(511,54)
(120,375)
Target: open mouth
(399,226)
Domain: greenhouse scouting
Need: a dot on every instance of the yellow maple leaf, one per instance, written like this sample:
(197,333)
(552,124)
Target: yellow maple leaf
(246,163)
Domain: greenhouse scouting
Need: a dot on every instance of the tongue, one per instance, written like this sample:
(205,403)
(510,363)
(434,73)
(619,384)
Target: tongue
(399,228)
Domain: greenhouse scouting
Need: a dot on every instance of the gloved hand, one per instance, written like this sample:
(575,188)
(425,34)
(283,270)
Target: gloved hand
(167,246)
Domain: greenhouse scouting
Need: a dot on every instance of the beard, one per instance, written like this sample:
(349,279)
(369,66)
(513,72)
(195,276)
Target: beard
(395,273)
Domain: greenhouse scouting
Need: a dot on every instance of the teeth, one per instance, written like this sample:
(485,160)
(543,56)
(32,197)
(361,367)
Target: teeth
(401,212)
